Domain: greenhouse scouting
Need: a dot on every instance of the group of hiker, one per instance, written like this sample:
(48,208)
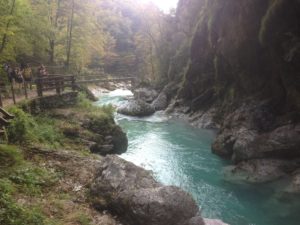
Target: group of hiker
(23,73)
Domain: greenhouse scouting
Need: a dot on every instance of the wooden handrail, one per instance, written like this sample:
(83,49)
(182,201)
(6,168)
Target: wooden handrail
(59,82)
(55,82)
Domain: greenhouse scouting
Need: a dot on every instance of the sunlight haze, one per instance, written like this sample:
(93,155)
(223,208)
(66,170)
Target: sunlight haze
(164,5)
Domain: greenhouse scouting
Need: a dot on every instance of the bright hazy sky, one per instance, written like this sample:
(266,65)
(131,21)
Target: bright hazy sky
(165,5)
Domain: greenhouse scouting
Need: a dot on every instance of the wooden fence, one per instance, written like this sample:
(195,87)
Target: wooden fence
(55,82)
(60,82)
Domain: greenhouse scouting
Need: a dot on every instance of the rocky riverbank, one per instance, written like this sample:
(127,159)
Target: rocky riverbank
(262,146)
(106,190)
(241,77)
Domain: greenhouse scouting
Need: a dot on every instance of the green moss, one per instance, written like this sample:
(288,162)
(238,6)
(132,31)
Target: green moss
(266,22)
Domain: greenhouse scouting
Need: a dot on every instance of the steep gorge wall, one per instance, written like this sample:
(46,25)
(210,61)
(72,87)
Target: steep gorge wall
(245,49)
(242,58)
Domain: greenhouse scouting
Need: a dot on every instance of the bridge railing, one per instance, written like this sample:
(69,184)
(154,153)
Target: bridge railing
(55,82)
(103,80)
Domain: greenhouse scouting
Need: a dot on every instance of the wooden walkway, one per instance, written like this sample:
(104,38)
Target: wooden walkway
(21,97)
(54,84)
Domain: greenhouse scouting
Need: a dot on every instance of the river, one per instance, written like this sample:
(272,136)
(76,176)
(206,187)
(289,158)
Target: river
(179,154)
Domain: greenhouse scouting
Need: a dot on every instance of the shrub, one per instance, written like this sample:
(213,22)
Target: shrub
(9,156)
(21,126)
(25,128)
(83,102)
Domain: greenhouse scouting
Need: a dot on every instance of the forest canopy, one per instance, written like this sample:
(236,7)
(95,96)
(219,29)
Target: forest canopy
(115,35)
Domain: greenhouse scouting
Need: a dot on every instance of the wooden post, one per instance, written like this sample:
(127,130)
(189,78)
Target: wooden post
(25,89)
(13,91)
(57,85)
(1,103)
(73,83)
(39,87)
(62,84)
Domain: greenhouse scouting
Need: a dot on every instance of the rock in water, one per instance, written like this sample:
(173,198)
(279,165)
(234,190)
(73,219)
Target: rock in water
(161,102)
(136,108)
(132,193)
(115,144)
(145,94)
(119,140)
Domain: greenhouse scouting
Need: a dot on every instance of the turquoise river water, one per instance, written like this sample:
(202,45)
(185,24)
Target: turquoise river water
(180,155)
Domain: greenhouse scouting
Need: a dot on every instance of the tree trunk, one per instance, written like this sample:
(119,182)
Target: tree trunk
(69,46)
(4,39)
(51,51)
(52,39)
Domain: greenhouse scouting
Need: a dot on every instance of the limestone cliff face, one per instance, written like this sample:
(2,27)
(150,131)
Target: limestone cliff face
(243,49)
(242,58)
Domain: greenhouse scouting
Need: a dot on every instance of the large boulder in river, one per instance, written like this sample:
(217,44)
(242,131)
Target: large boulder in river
(115,143)
(145,94)
(119,140)
(131,193)
(136,108)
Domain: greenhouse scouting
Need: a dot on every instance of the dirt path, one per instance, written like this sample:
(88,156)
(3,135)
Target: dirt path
(20,96)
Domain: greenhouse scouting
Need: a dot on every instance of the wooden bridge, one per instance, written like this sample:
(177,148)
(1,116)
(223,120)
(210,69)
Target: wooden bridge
(60,83)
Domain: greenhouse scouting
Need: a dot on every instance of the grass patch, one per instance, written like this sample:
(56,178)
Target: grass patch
(16,177)
(83,219)
(12,213)
(9,157)
(26,178)
(33,180)
(101,119)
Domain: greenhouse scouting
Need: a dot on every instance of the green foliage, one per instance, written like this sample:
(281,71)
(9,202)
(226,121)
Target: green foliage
(20,177)
(25,128)
(12,213)
(9,157)
(119,36)
(26,178)
(21,126)
(16,178)
(83,102)
(46,132)
(31,180)
(100,118)
(83,219)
